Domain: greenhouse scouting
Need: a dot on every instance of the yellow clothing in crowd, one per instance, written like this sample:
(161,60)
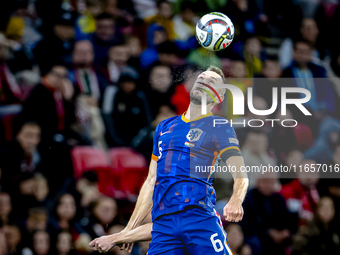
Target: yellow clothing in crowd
(165,22)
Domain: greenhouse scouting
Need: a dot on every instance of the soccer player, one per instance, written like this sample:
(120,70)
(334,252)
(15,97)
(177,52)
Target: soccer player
(179,188)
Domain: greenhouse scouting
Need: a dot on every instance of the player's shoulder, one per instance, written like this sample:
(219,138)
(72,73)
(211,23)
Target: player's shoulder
(220,122)
(167,122)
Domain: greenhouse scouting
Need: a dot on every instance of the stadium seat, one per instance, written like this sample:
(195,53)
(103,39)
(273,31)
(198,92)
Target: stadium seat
(7,123)
(86,158)
(132,169)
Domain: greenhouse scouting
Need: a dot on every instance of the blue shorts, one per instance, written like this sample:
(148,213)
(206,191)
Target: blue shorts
(192,231)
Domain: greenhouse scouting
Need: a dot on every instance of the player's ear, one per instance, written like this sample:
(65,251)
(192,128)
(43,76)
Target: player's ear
(222,97)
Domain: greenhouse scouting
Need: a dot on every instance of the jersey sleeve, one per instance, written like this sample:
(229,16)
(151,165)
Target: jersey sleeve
(155,148)
(226,142)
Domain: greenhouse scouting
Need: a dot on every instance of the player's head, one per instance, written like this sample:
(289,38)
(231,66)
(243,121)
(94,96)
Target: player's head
(205,84)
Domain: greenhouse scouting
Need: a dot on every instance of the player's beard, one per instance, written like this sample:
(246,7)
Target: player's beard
(196,99)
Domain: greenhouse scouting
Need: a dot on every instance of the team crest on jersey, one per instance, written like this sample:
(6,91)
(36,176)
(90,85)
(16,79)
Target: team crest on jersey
(194,134)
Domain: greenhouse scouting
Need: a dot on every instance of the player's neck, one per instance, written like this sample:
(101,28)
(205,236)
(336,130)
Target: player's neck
(195,111)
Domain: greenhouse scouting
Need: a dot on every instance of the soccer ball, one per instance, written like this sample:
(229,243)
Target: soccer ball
(215,31)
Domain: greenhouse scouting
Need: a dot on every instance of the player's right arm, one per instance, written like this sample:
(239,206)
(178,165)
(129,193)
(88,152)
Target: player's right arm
(144,201)
(142,209)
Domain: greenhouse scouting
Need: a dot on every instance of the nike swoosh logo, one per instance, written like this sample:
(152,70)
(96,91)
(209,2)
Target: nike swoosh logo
(164,133)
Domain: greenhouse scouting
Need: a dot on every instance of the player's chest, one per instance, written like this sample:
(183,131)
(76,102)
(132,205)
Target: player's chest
(186,136)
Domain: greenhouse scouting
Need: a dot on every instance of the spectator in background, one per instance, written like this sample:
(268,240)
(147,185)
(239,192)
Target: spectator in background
(309,32)
(303,71)
(161,88)
(13,239)
(244,14)
(41,243)
(329,185)
(185,22)
(185,26)
(41,189)
(90,123)
(263,232)
(3,248)
(253,57)
(282,140)
(85,79)
(23,196)
(103,214)
(37,220)
(168,56)
(135,49)
(126,110)
(64,243)
(117,62)
(10,92)
(50,104)
(326,142)
(301,194)
(21,156)
(21,30)
(236,240)
(272,79)
(163,17)
(320,235)
(143,141)
(5,208)
(86,23)
(89,88)
(156,34)
(57,47)
(292,158)
(238,73)
(107,34)
(255,153)
(27,80)
(64,219)
(260,104)
(87,190)
(278,19)
(333,70)
(168,53)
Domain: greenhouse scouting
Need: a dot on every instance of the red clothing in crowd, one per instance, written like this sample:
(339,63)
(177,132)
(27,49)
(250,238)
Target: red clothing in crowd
(180,99)
(9,90)
(300,199)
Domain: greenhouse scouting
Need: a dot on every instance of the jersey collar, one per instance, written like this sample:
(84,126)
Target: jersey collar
(201,117)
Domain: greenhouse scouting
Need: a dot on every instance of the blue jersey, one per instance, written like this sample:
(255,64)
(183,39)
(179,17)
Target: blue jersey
(183,150)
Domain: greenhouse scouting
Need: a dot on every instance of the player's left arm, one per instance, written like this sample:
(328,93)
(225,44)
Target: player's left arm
(233,211)
(228,147)
(105,243)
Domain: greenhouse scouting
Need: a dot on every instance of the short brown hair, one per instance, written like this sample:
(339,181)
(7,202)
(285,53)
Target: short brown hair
(218,71)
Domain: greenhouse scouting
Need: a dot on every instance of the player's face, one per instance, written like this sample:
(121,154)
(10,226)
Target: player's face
(205,81)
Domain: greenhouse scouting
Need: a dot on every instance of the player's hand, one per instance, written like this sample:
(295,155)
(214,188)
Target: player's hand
(127,247)
(233,210)
(103,244)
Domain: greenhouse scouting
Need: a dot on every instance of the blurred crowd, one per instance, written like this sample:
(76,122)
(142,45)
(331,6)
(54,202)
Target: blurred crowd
(84,83)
